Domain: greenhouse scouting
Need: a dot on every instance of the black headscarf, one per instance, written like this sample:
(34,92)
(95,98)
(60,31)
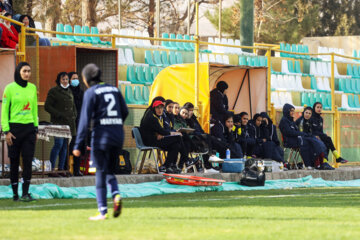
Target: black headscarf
(222,86)
(92,74)
(286,111)
(315,114)
(265,115)
(18,79)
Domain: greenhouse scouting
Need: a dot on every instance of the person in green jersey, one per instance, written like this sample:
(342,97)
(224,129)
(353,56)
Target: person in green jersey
(19,122)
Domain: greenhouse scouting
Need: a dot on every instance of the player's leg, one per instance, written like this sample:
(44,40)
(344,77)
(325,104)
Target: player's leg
(98,157)
(27,151)
(111,156)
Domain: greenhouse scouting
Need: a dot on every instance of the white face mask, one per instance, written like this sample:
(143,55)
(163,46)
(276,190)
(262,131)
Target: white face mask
(65,87)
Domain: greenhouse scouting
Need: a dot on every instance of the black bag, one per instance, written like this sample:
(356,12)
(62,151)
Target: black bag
(251,177)
(123,164)
(199,144)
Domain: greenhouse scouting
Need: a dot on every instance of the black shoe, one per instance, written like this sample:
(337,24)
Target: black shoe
(27,198)
(54,175)
(78,174)
(300,166)
(169,170)
(176,169)
(16,198)
(326,166)
(341,160)
(162,168)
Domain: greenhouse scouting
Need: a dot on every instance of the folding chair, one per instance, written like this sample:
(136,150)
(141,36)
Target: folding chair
(294,157)
(145,149)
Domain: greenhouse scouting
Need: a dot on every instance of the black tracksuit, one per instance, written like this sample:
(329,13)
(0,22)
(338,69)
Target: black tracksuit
(316,122)
(218,104)
(304,125)
(246,142)
(220,131)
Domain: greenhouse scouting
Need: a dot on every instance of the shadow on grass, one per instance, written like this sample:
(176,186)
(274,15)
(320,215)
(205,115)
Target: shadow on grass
(325,198)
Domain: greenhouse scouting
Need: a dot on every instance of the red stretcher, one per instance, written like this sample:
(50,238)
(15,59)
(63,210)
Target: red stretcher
(192,180)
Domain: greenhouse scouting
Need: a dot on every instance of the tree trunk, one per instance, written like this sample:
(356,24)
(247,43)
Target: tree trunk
(29,7)
(53,10)
(151,18)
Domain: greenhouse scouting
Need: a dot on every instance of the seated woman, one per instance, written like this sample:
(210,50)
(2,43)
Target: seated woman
(154,133)
(271,144)
(318,131)
(168,114)
(242,136)
(224,132)
(303,122)
(310,151)
(255,134)
(9,37)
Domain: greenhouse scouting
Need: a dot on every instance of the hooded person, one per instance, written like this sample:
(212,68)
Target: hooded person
(105,109)
(271,145)
(154,133)
(219,101)
(9,37)
(312,151)
(243,137)
(318,130)
(304,122)
(168,114)
(19,122)
(60,105)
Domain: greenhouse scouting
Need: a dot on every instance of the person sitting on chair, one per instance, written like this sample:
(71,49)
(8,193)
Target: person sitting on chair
(242,136)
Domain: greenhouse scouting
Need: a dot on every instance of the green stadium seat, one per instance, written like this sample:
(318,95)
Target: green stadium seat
(60,28)
(138,96)
(305,99)
(349,70)
(179,58)
(165,43)
(129,95)
(306,50)
(68,29)
(328,100)
(356,101)
(348,86)
(353,86)
(157,58)
(249,61)
(324,102)
(55,44)
(356,71)
(180,45)
(282,47)
(262,61)
(148,75)
(351,101)
(312,99)
(294,49)
(79,39)
(164,58)
(313,84)
(342,85)
(317,98)
(97,40)
(131,75)
(149,59)
(172,58)
(288,49)
(357,85)
(155,72)
(354,53)
(145,95)
(192,44)
(173,44)
(297,67)
(291,66)
(140,76)
(86,30)
(242,60)
(187,45)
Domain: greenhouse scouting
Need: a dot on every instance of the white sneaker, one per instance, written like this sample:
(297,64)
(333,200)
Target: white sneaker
(215,159)
(211,170)
(309,168)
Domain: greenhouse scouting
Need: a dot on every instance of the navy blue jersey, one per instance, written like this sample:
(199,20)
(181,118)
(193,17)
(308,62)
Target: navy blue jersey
(104,105)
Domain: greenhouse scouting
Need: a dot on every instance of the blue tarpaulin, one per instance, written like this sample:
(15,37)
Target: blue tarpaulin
(50,191)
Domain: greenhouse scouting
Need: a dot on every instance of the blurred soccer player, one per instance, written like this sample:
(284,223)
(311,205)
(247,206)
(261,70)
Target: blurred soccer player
(103,105)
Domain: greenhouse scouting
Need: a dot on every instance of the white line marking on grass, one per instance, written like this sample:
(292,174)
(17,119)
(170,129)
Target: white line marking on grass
(48,205)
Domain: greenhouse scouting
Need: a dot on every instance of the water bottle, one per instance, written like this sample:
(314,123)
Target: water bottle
(227,153)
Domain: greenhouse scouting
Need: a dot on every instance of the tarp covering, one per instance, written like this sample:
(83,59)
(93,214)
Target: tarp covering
(50,191)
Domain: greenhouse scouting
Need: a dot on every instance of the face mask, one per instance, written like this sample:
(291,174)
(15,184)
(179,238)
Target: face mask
(75,82)
(65,87)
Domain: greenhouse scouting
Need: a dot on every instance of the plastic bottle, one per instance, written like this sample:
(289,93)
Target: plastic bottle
(227,153)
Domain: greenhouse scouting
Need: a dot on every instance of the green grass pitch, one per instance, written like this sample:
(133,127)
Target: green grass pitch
(326,213)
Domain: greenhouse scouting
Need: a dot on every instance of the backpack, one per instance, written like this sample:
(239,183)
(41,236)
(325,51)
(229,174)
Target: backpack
(123,164)
(251,177)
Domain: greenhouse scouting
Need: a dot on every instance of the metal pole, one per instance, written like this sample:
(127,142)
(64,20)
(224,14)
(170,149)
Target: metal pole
(157,18)
(332,83)
(196,37)
(268,85)
(220,16)
(119,10)
(188,11)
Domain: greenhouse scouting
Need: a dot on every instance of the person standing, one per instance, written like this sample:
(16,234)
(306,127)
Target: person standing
(19,122)
(60,104)
(78,94)
(218,101)
(103,105)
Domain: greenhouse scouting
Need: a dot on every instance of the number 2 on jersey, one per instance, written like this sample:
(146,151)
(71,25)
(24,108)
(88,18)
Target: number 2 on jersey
(111,100)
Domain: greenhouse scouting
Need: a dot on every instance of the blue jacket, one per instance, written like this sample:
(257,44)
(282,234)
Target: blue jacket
(104,106)
(316,122)
(289,130)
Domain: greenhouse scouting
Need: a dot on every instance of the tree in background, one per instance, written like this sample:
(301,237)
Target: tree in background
(291,20)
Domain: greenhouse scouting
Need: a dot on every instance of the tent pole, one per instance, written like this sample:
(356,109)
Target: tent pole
(196,37)
(250,94)
(242,83)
